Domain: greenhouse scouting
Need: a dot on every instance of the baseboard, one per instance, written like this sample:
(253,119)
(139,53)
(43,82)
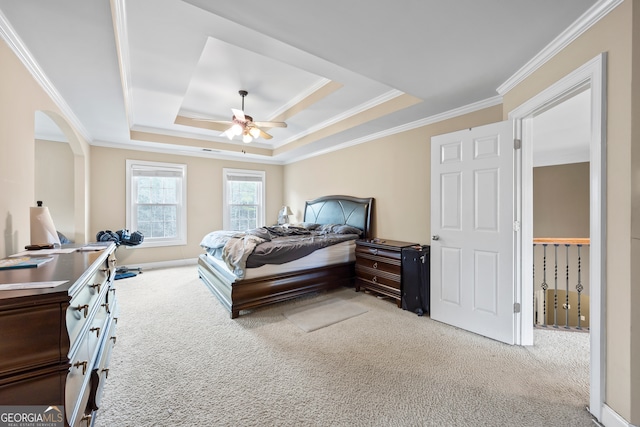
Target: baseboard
(611,418)
(162,264)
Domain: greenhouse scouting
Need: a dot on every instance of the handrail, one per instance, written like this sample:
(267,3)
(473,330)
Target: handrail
(563,240)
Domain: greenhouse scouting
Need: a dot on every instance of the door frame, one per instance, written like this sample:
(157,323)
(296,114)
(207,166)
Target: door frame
(592,74)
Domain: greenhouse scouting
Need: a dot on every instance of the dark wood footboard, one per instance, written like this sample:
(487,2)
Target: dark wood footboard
(253,293)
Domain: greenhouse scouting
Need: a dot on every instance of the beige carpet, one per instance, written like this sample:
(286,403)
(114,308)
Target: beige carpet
(321,314)
(181,361)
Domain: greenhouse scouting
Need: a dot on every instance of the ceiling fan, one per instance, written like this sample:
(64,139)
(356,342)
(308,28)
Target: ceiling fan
(243,125)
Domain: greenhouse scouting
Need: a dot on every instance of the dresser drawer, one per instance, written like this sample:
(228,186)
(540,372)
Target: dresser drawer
(83,304)
(76,389)
(101,370)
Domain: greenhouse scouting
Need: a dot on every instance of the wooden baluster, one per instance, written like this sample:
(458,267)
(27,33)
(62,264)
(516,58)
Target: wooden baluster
(555,286)
(544,285)
(566,298)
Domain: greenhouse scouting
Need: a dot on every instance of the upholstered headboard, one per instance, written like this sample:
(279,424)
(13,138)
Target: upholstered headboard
(353,211)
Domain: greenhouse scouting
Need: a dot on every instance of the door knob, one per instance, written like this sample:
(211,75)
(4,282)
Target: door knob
(435,237)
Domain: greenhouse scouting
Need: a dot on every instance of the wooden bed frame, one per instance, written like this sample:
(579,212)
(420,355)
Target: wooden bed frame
(249,294)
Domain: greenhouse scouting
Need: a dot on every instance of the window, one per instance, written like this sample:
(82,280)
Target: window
(157,202)
(243,199)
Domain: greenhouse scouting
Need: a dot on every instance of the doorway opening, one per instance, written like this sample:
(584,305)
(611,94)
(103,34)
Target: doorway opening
(590,76)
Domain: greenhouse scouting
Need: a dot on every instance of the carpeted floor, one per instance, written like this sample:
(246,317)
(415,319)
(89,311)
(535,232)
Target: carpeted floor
(181,361)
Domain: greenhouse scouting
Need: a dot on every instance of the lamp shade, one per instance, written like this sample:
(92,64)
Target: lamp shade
(286,210)
(43,231)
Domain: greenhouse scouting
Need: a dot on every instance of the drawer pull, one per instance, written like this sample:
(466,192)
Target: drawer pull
(106,373)
(114,339)
(96,330)
(83,364)
(113,261)
(104,269)
(96,285)
(106,306)
(375,265)
(115,319)
(375,279)
(84,307)
(87,418)
(113,290)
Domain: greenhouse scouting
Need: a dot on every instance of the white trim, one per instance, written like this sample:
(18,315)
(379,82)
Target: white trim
(611,418)
(322,82)
(575,30)
(20,50)
(148,242)
(121,32)
(385,97)
(160,264)
(261,219)
(456,112)
(592,73)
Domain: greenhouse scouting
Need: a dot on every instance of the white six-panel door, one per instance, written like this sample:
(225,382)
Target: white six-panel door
(472,223)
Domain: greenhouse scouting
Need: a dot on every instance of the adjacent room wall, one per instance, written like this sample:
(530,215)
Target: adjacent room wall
(561,200)
(204,199)
(54,177)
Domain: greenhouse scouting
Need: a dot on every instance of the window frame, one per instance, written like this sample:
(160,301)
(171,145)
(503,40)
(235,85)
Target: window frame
(227,173)
(181,212)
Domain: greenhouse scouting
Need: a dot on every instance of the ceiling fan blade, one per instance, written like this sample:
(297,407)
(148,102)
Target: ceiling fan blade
(203,123)
(271,124)
(264,135)
(238,114)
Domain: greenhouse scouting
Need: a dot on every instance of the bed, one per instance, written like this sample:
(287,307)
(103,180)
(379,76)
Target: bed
(324,269)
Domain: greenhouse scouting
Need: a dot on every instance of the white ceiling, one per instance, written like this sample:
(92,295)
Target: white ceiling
(339,73)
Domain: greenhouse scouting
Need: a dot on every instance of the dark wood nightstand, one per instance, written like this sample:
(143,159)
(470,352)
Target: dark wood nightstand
(379,266)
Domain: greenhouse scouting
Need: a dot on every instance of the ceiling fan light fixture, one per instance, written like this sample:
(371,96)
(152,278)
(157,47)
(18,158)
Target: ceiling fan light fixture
(254,132)
(246,138)
(236,129)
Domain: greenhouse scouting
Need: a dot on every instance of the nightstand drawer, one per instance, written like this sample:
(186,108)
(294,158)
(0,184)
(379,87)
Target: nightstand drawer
(382,252)
(378,277)
(379,264)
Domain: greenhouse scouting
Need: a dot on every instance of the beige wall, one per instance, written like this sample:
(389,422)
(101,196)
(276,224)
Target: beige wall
(204,199)
(54,179)
(393,170)
(561,201)
(20,98)
(613,35)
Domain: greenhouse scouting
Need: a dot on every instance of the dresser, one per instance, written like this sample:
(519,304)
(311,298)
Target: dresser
(379,267)
(55,342)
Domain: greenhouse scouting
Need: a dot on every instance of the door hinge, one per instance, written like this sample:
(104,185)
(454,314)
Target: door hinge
(517,144)
(516,307)
(516,225)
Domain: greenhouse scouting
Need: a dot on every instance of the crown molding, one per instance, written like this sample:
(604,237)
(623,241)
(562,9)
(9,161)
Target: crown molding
(20,50)
(120,29)
(575,30)
(344,115)
(456,112)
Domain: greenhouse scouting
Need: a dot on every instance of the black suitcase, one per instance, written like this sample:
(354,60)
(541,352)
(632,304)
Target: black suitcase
(416,269)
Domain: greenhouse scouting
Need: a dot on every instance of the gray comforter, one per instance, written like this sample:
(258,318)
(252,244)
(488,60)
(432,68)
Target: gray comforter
(272,245)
